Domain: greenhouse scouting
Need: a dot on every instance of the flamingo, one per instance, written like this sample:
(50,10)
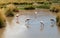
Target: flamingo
(27,20)
(17,18)
(35,12)
(52,22)
(42,25)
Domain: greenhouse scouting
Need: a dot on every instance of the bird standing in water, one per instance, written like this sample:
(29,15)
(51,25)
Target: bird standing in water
(42,25)
(36,14)
(52,22)
(17,18)
(27,20)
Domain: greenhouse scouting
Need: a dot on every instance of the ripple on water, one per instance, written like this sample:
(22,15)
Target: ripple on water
(18,30)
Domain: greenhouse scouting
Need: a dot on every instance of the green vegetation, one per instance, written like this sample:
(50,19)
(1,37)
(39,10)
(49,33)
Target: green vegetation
(32,5)
(9,13)
(55,8)
(58,19)
(10,10)
(22,4)
(44,6)
(2,23)
(25,3)
(55,1)
(29,8)
(2,20)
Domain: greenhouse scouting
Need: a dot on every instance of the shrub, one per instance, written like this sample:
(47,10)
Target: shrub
(2,23)
(16,3)
(29,8)
(9,10)
(2,20)
(10,6)
(46,3)
(15,10)
(43,6)
(40,2)
(25,3)
(55,1)
(58,19)
(59,23)
(9,13)
(55,8)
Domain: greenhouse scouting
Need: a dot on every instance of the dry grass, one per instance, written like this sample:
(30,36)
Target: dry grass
(58,14)
(19,1)
(11,6)
(2,15)
(2,19)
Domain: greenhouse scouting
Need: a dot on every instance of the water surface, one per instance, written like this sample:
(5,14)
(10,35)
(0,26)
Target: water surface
(34,30)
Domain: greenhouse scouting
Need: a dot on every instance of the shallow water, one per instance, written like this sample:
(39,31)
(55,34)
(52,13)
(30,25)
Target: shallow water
(35,30)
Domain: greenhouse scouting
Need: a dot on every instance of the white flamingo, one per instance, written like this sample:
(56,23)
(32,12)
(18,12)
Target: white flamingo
(17,15)
(35,12)
(52,22)
(42,25)
(27,22)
